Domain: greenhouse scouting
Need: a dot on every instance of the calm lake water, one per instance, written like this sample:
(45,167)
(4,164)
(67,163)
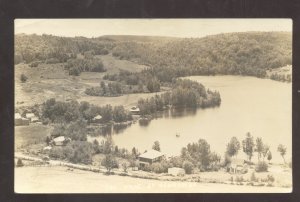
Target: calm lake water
(260,106)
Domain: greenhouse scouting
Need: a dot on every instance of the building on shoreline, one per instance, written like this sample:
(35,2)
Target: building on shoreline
(150,157)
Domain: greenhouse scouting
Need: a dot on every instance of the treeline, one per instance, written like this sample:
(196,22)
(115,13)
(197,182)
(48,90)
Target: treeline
(57,112)
(31,48)
(76,66)
(233,53)
(184,94)
(126,82)
(249,53)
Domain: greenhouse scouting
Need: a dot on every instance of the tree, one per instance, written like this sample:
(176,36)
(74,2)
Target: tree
(188,167)
(282,150)
(156,146)
(259,147)
(48,140)
(96,146)
(109,162)
(134,152)
(107,144)
(233,147)
(20,163)
(125,167)
(102,84)
(265,151)
(23,78)
(269,156)
(248,146)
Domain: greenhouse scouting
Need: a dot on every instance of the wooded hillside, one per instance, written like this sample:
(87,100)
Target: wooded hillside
(249,53)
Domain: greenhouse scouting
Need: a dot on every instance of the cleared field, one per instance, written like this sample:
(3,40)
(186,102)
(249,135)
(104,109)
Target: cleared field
(60,180)
(127,101)
(52,81)
(32,136)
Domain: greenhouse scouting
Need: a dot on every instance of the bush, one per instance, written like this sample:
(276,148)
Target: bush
(23,78)
(253,177)
(34,64)
(188,167)
(261,167)
(125,167)
(157,168)
(20,163)
(270,178)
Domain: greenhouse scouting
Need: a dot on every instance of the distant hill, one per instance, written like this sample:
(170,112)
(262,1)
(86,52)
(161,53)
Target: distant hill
(138,38)
(245,53)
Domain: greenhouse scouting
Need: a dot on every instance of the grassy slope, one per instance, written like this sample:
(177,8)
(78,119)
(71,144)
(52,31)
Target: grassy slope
(52,81)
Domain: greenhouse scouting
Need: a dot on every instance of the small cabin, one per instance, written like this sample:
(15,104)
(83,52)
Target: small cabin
(60,141)
(29,115)
(135,110)
(176,171)
(97,119)
(150,157)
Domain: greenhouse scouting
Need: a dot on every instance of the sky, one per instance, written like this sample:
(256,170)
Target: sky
(148,27)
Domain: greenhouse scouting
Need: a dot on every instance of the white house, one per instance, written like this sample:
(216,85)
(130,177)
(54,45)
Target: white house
(135,110)
(176,171)
(60,141)
(97,119)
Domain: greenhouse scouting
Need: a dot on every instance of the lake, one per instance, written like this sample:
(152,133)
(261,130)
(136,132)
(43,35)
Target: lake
(262,107)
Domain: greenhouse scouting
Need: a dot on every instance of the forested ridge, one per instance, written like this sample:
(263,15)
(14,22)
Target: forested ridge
(245,53)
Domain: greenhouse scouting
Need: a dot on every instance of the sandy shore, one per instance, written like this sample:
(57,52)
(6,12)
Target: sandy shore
(59,180)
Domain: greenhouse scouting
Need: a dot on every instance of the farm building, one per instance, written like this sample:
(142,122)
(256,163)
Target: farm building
(176,171)
(32,117)
(20,121)
(60,141)
(150,157)
(237,166)
(97,119)
(29,115)
(135,110)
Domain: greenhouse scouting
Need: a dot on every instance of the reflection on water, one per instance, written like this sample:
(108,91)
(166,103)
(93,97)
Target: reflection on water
(260,106)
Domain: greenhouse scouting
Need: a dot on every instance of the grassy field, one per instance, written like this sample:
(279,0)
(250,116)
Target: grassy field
(52,81)
(31,137)
(42,179)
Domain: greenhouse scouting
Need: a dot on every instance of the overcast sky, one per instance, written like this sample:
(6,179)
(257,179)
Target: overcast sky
(150,27)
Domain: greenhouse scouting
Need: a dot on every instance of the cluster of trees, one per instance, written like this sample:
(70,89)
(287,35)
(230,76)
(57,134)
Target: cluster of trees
(76,66)
(146,77)
(198,155)
(249,146)
(60,112)
(75,152)
(76,130)
(111,89)
(281,77)
(185,94)
(233,53)
(54,49)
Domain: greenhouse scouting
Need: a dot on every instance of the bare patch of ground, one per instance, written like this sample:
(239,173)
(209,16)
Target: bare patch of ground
(61,180)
